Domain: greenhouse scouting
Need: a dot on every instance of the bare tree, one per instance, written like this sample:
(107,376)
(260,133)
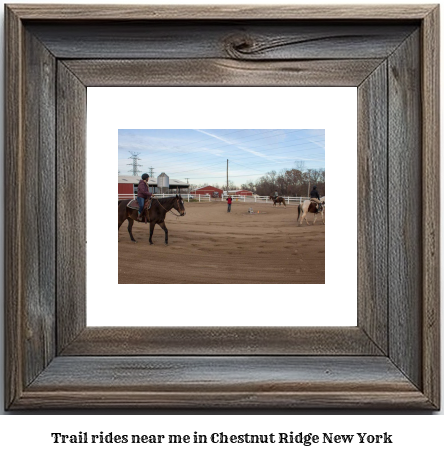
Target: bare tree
(249,186)
(295,182)
(300,165)
(231,186)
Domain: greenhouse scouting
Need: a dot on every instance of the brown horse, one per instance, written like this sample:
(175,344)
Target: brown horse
(156,214)
(278,199)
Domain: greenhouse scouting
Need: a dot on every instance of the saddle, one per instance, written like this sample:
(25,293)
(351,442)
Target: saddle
(133,204)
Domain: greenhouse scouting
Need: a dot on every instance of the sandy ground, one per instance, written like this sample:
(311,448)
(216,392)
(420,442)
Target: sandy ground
(209,245)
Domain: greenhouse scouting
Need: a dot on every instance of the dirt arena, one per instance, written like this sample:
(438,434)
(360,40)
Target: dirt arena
(209,245)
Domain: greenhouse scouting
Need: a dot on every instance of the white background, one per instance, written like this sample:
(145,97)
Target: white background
(415,433)
(411,435)
(330,304)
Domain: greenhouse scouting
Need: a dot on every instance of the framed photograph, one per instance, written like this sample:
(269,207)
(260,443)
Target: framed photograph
(57,54)
(222,256)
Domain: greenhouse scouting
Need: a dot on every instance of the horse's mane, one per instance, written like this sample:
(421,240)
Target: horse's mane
(162,200)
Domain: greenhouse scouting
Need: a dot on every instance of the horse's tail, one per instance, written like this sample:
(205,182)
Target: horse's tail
(299,211)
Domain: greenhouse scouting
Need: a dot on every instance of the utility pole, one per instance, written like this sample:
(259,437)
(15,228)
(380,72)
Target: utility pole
(227,176)
(151,171)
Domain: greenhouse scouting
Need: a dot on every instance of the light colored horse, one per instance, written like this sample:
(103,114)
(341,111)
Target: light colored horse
(308,206)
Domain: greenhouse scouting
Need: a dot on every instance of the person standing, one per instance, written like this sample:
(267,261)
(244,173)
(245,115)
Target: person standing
(143,193)
(229,200)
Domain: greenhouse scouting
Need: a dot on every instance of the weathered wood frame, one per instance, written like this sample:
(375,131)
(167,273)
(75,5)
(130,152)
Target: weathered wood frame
(390,360)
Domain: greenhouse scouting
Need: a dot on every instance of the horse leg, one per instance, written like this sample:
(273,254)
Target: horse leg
(306,218)
(121,218)
(120,224)
(314,220)
(130,228)
(152,224)
(164,228)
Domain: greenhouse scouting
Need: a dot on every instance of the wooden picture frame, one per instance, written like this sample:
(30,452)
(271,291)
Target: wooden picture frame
(390,360)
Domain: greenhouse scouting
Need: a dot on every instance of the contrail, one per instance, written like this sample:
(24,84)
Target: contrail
(231,143)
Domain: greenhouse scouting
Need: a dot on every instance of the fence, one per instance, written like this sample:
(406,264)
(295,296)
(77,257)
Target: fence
(288,199)
(186,197)
(236,198)
(266,199)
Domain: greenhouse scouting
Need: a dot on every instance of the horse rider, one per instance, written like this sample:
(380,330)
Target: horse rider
(276,194)
(143,193)
(314,196)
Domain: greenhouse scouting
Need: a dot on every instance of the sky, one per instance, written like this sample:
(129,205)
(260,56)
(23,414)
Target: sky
(200,156)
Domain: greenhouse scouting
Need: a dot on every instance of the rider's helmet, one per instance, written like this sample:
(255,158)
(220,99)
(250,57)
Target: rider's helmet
(145,176)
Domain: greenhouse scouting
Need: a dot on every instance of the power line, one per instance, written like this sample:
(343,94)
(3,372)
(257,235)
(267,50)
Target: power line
(254,161)
(249,166)
(256,134)
(177,160)
(240,145)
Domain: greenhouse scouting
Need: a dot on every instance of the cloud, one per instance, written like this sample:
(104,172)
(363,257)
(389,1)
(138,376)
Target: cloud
(233,143)
(317,143)
(315,133)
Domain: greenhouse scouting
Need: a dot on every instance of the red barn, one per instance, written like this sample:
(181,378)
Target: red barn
(128,186)
(126,189)
(243,192)
(240,192)
(208,190)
